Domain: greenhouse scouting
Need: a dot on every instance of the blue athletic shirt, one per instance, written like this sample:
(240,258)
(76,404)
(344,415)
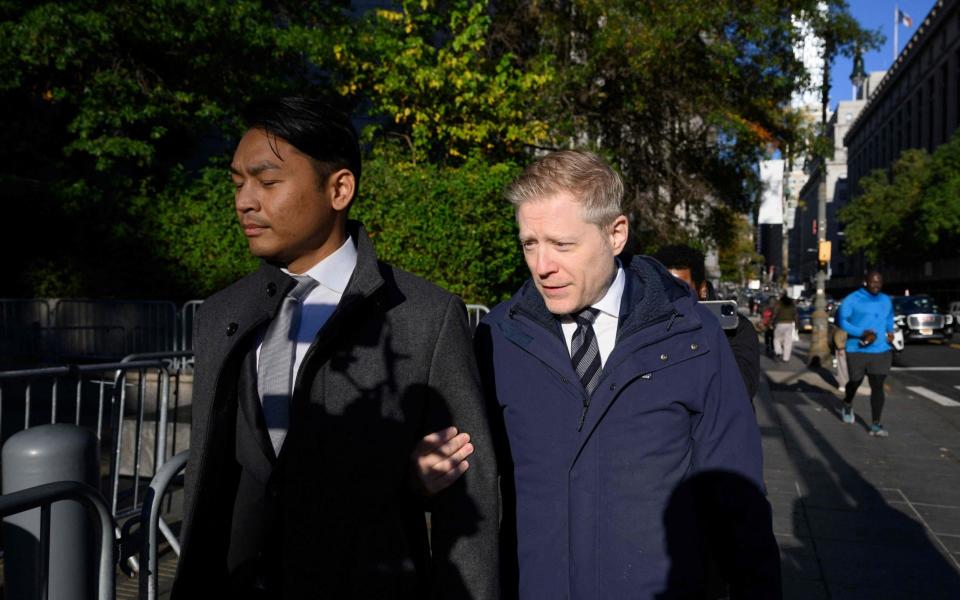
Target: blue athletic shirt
(861,311)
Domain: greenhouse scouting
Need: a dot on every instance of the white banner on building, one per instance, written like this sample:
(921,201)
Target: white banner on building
(771,199)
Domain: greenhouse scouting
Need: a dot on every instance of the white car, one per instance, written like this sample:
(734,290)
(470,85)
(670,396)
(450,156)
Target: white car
(919,319)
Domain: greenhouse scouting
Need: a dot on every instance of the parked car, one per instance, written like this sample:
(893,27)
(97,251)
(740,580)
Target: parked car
(805,317)
(919,318)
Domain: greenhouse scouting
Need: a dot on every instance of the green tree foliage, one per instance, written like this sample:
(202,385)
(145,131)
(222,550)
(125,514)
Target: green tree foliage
(427,67)
(911,212)
(192,228)
(448,224)
(109,106)
(124,188)
(119,115)
(738,256)
(684,95)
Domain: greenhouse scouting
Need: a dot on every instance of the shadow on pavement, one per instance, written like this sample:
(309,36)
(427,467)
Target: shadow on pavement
(849,540)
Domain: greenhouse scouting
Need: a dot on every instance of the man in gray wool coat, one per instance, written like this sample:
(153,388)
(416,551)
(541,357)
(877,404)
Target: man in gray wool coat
(316,377)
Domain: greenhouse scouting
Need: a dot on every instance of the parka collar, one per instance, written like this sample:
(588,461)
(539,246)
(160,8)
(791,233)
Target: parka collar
(650,294)
(648,297)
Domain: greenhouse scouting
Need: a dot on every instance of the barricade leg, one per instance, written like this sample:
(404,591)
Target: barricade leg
(39,455)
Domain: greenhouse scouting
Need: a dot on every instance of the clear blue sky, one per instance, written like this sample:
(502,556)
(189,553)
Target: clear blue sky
(876,14)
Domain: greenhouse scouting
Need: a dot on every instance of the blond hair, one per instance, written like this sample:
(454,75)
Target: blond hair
(583,174)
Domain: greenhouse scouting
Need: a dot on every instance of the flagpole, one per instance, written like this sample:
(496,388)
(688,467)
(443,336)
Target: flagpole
(896,23)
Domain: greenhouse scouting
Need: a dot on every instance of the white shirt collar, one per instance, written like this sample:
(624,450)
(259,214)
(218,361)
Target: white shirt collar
(610,303)
(334,271)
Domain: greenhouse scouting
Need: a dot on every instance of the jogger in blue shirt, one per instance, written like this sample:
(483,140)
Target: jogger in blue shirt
(867,317)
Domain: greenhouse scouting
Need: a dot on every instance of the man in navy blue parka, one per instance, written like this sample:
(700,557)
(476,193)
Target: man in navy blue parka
(631,490)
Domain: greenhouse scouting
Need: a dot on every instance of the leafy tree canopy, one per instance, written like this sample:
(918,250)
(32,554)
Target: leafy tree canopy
(684,95)
(427,67)
(119,117)
(448,224)
(909,213)
(113,108)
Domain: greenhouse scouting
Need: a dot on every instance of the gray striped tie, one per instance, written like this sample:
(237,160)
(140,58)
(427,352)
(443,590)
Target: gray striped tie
(584,351)
(275,374)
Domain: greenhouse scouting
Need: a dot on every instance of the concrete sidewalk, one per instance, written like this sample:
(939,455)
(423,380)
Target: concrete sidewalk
(857,516)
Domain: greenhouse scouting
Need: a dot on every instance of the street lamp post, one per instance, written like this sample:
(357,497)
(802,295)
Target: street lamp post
(858,76)
(819,350)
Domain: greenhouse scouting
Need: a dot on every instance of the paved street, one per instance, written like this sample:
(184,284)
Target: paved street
(862,517)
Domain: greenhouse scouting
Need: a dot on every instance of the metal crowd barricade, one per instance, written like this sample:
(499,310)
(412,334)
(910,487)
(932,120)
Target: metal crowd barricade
(151,520)
(168,437)
(475,312)
(44,496)
(140,394)
(188,316)
(21,324)
(106,329)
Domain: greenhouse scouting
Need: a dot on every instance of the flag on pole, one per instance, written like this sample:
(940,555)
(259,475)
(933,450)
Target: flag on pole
(904,19)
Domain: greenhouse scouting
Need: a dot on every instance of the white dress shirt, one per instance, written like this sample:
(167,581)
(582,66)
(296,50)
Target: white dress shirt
(605,326)
(332,274)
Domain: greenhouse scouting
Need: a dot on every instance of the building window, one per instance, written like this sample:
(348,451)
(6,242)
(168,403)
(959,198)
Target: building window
(908,122)
(898,128)
(885,144)
(942,91)
(920,116)
(930,114)
(956,87)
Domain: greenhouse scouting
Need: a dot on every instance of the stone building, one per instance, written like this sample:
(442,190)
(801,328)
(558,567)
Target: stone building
(916,105)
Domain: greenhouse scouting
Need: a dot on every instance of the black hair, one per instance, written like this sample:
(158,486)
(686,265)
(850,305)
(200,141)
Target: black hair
(680,256)
(786,300)
(313,127)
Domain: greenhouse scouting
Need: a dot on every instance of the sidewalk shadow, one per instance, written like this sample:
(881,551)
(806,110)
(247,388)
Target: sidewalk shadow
(860,545)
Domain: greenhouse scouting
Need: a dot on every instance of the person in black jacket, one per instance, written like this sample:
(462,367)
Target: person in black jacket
(687,264)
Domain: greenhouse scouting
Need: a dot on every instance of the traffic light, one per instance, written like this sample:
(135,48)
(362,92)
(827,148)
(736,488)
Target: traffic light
(823,253)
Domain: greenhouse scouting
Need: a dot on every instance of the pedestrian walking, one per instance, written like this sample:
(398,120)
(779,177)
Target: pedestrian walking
(630,454)
(867,317)
(784,318)
(766,323)
(840,353)
(315,376)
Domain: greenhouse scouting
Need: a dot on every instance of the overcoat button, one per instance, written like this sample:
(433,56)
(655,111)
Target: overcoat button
(613,386)
(271,289)
(231,328)
(664,357)
(694,346)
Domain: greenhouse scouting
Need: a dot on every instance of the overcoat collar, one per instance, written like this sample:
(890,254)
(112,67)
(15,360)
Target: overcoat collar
(261,294)
(265,289)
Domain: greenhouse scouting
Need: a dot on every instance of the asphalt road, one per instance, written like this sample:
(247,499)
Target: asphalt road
(929,374)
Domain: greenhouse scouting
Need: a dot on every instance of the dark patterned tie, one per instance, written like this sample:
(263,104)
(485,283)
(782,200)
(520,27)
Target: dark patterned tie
(584,351)
(275,372)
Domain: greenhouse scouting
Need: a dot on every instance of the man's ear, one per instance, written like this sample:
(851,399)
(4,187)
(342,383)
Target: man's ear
(619,231)
(342,185)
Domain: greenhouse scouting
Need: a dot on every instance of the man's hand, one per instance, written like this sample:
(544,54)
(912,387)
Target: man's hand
(890,337)
(438,460)
(868,337)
